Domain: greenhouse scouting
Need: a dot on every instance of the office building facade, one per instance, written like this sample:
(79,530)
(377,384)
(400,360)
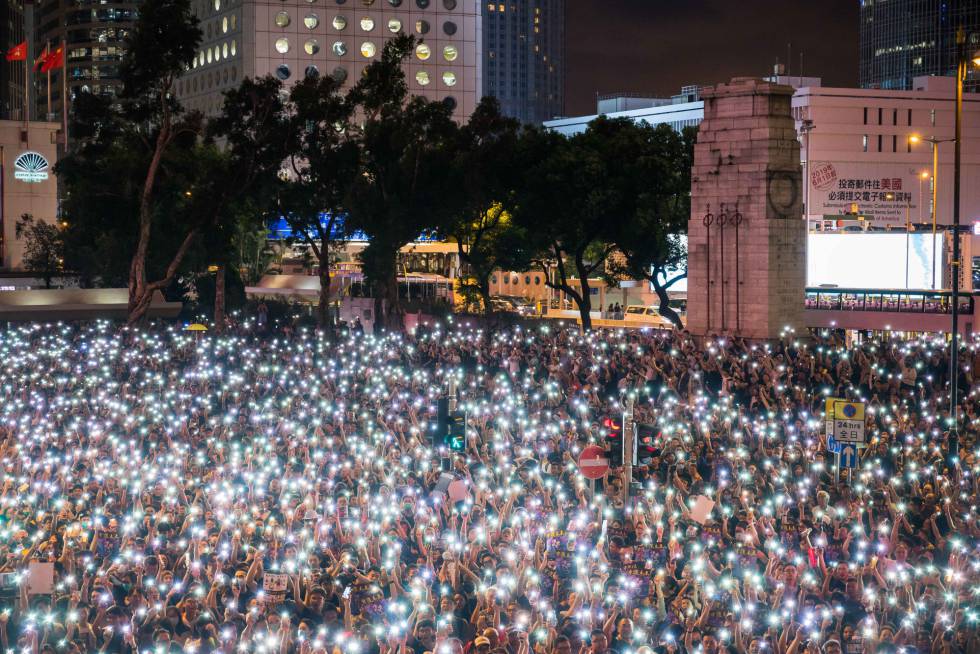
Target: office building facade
(904,39)
(524,57)
(12,72)
(291,39)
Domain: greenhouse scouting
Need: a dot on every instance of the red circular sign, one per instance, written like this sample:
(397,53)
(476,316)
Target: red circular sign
(592,462)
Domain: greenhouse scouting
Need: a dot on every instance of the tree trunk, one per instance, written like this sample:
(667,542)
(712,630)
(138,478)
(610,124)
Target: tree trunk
(323,309)
(219,299)
(585,302)
(485,295)
(665,309)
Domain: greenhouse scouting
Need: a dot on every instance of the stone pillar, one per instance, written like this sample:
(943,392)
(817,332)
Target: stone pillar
(746,235)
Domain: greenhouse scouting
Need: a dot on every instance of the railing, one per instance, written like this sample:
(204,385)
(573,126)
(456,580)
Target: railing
(892,300)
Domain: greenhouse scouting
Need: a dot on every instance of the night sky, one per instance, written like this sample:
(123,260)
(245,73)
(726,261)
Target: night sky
(657,46)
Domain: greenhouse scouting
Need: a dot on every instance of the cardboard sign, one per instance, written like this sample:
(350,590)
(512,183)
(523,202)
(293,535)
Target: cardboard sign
(702,507)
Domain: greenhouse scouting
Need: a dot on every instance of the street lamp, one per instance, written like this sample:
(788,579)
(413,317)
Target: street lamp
(915,138)
(908,232)
(954,436)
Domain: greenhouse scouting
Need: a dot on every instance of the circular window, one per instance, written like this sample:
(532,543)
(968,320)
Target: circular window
(449,4)
(394,26)
(368,50)
(282,19)
(367,3)
(527,279)
(449,78)
(449,27)
(367,24)
(422,4)
(450,53)
(283,72)
(537,280)
(312,72)
(224,25)
(311,47)
(224,51)
(507,279)
(282,45)
(450,102)
(422,26)
(311,21)
(339,23)
(493,279)
(423,52)
(234,48)
(395,3)
(339,48)
(339,74)
(341,2)
(422,78)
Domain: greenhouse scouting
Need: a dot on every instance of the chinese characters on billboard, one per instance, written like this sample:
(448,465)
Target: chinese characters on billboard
(883,193)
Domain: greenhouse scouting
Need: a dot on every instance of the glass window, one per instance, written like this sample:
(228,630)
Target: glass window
(224,25)
(283,72)
(234,47)
(209,55)
(311,47)
(537,280)
(449,27)
(422,26)
(449,78)
(312,71)
(367,24)
(339,48)
(339,73)
(450,53)
(423,52)
(394,26)
(217,5)
(422,77)
(450,102)
(422,4)
(282,19)
(341,2)
(339,23)
(449,4)
(224,51)
(368,49)
(367,3)
(311,21)
(234,21)
(395,3)
(282,45)
(527,279)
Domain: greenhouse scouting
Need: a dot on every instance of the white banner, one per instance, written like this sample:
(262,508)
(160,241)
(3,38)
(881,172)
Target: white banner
(881,192)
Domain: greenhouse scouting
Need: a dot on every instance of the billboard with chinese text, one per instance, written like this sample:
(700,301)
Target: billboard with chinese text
(885,193)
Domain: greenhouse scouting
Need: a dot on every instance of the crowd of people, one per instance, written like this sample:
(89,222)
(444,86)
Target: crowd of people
(165,491)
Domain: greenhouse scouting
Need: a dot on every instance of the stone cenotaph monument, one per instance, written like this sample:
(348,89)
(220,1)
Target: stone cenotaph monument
(746,235)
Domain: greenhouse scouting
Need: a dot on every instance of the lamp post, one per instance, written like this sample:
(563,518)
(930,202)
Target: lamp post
(961,68)
(908,232)
(935,188)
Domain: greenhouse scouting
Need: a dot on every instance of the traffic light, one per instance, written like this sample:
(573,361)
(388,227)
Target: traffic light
(450,428)
(646,438)
(613,437)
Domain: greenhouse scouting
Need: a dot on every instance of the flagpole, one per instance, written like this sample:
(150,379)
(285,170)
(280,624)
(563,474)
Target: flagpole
(64,92)
(47,107)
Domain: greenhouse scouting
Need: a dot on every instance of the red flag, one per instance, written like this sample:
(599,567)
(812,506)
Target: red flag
(42,58)
(18,52)
(54,60)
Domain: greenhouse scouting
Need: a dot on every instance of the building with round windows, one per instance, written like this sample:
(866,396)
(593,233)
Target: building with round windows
(294,38)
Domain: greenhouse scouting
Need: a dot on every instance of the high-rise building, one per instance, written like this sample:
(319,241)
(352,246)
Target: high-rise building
(904,39)
(524,57)
(294,38)
(12,72)
(94,34)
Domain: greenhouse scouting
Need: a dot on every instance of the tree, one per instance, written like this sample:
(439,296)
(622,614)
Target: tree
(322,164)
(484,178)
(648,233)
(406,146)
(563,205)
(43,247)
(147,178)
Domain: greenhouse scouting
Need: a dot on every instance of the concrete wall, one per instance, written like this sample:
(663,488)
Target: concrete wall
(39,199)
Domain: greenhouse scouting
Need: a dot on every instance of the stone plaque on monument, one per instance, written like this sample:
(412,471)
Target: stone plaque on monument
(746,235)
